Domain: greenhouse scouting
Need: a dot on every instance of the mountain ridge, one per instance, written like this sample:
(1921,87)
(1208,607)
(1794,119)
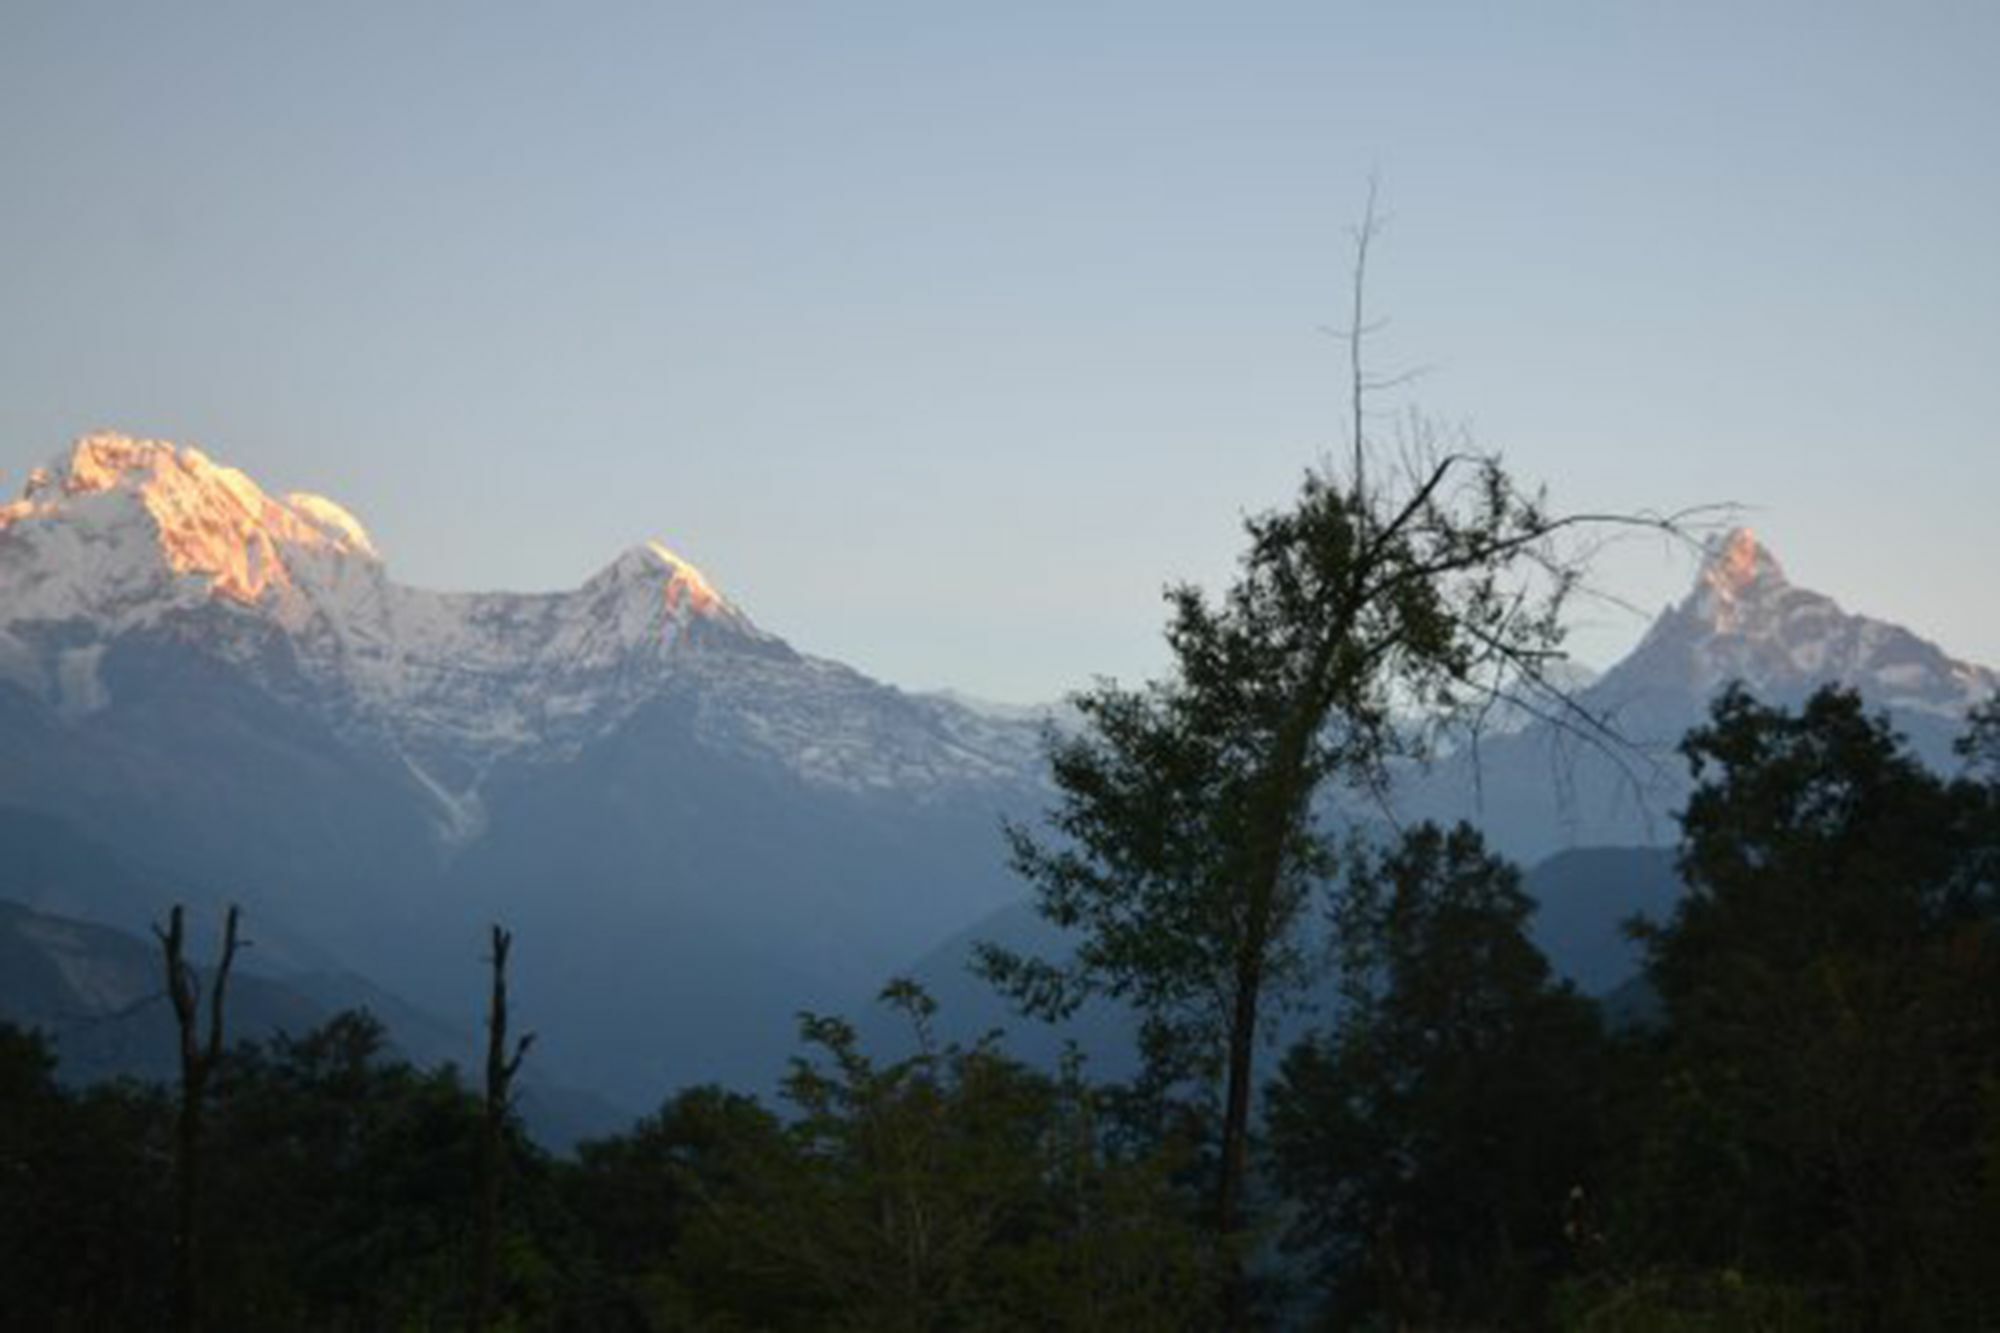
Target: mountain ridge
(1618,779)
(695,829)
(128,535)
(1744,620)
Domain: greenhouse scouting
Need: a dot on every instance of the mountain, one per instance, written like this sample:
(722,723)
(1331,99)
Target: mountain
(1744,621)
(1594,825)
(128,538)
(97,994)
(694,829)
(1543,787)
(1583,897)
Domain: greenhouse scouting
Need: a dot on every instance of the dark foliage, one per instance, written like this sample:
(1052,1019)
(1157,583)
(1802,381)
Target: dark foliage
(1805,1140)
(1819,1108)
(1428,1144)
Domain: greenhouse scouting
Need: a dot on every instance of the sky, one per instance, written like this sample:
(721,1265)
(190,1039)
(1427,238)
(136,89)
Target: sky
(942,336)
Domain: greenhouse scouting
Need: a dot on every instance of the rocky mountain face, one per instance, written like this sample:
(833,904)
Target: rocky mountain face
(1545,788)
(127,537)
(694,829)
(1744,621)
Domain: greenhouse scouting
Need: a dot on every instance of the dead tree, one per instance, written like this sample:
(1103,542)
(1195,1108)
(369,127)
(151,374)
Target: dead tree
(501,1066)
(198,1061)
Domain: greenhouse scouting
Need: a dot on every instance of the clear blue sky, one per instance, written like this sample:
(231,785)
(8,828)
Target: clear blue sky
(943,334)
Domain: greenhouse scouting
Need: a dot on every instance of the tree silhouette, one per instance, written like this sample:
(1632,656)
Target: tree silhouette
(1383,607)
(502,1064)
(198,1059)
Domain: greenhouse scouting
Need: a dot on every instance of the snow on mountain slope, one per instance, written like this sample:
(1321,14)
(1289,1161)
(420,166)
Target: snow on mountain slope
(1542,788)
(1745,621)
(123,536)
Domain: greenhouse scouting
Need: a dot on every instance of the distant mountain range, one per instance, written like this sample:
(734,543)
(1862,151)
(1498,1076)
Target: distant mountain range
(97,994)
(1584,896)
(211,694)
(693,829)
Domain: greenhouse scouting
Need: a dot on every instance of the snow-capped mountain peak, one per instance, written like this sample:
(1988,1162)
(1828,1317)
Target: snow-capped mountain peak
(120,522)
(123,534)
(199,508)
(653,564)
(1739,580)
(1745,621)
(126,539)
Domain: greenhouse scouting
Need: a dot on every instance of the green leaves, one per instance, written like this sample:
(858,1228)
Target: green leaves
(1832,982)
(952,1188)
(1184,846)
(1425,1143)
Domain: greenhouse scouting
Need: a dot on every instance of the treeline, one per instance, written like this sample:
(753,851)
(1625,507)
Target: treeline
(341,1189)
(1802,1131)
(1805,1135)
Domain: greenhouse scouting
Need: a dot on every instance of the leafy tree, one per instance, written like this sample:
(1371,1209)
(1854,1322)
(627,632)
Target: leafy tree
(339,1186)
(1724,1301)
(952,1189)
(1114,1246)
(1811,833)
(1980,746)
(82,1204)
(1427,1144)
(347,1177)
(1832,983)
(349,1183)
(338,1183)
(1184,843)
(645,1199)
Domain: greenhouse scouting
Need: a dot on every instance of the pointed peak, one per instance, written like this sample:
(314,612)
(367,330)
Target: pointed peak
(1739,575)
(655,563)
(1737,561)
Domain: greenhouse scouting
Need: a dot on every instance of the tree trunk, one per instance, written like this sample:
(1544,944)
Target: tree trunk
(198,1062)
(500,1070)
(1235,1163)
(187,1178)
(1286,795)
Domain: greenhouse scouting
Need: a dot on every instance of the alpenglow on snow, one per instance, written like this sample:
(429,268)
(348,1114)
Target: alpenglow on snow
(124,535)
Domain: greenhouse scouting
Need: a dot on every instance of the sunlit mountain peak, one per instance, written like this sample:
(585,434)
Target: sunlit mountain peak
(203,519)
(1738,572)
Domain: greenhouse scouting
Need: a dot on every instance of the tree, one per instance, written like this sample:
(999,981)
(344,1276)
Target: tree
(1980,745)
(198,1060)
(1370,613)
(84,1201)
(349,1177)
(1832,986)
(643,1198)
(952,1188)
(1428,1141)
(502,1064)
(917,1167)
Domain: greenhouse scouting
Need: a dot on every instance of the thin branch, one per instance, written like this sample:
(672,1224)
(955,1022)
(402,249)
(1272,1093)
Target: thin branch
(221,983)
(1358,388)
(1398,380)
